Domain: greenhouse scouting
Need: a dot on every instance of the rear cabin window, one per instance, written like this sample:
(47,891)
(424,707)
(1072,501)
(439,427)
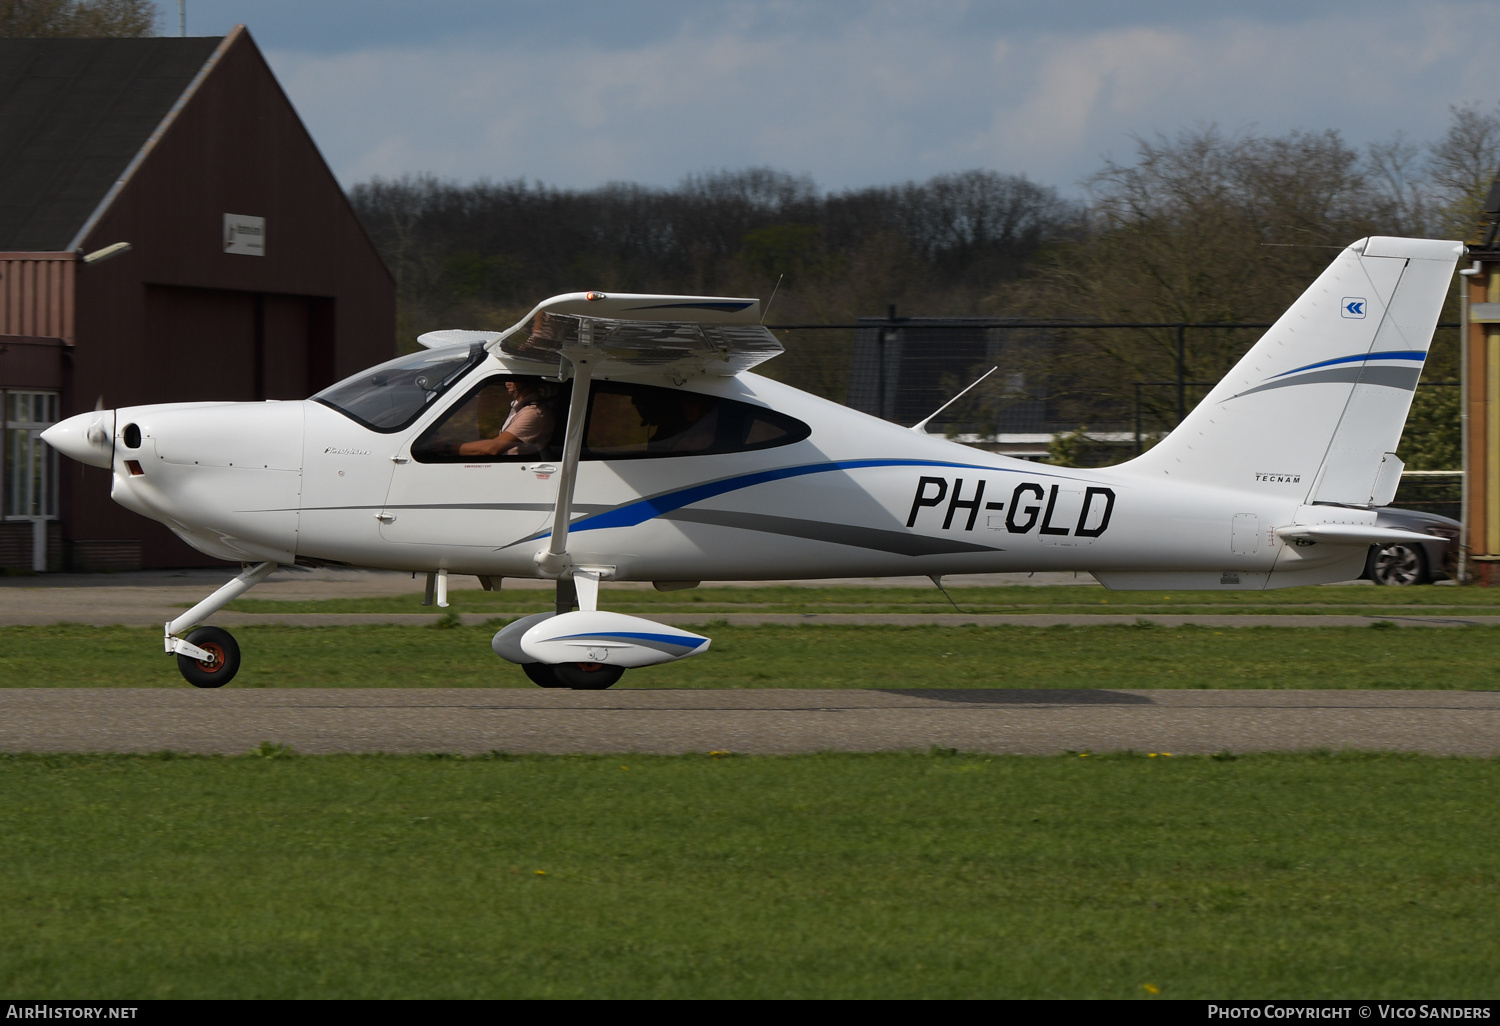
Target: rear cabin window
(629,421)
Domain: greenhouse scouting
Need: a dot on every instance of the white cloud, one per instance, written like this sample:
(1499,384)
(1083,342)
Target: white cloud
(880,98)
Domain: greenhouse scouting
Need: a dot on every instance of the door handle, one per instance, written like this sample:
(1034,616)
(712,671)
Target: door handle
(399,459)
(385,518)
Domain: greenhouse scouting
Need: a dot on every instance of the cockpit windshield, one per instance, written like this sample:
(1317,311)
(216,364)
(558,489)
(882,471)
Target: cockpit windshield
(389,397)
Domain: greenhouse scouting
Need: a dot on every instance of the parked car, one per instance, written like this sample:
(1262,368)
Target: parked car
(1414,562)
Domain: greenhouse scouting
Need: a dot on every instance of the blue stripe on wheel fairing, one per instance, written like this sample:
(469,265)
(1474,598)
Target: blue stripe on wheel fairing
(1395,354)
(663,639)
(646,509)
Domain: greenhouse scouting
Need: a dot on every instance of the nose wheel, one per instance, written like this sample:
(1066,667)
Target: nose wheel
(223,658)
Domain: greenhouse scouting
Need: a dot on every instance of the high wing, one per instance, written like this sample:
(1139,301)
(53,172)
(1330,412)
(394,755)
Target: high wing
(457,336)
(685,334)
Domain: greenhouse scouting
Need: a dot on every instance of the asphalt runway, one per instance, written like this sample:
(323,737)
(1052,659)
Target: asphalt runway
(769,721)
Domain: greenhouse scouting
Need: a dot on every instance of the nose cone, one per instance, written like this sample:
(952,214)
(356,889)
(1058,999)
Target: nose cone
(88,438)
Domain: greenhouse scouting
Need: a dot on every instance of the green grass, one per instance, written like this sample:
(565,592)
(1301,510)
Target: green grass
(939,875)
(802,657)
(1002,599)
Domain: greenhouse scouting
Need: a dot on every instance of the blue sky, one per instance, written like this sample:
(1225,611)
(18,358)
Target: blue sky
(851,93)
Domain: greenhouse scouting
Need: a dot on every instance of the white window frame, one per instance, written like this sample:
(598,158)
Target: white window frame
(30,495)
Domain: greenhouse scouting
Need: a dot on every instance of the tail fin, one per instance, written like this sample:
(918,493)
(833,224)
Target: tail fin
(1319,402)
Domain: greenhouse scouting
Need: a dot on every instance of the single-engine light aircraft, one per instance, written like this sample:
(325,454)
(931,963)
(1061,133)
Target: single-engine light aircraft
(625,438)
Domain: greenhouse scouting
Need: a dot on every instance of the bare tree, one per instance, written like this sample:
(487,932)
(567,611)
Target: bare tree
(1463,164)
(1398,170)
(1201,227)
(77,18)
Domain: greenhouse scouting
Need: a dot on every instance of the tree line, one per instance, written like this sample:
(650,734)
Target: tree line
(40,19)
(484,253)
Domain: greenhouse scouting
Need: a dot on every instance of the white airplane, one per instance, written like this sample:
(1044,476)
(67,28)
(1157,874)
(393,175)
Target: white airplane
(646,450)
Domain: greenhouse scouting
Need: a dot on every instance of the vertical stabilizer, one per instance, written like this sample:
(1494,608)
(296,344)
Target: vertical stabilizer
(1315,409)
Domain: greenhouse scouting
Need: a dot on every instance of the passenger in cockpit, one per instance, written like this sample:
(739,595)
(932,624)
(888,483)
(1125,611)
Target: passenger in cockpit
(684,422)
(526,430)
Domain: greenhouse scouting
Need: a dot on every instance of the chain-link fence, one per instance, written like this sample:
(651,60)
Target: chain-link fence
(1055,379)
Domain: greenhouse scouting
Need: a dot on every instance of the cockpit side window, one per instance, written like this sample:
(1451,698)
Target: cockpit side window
(507,417)
(630,421)
(393,395)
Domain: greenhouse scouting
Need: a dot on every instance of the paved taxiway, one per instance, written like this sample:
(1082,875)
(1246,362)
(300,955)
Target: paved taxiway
(766,721)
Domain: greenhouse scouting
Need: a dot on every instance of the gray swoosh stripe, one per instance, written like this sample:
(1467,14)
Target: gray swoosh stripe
(898,542)
(1390,377)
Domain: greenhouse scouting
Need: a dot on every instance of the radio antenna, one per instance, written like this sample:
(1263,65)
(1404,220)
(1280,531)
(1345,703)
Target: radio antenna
(921,426)
(767,308)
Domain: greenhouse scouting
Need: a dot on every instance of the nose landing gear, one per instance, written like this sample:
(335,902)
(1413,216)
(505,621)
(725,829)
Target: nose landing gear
(223,660)
(209,657)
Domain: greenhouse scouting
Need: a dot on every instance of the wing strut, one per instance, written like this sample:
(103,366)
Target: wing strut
(554,561)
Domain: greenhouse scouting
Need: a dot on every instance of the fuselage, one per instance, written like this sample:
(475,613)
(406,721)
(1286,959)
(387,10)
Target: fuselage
(857,496)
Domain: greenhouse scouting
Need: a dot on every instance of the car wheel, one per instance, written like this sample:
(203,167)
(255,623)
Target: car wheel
(1396,565)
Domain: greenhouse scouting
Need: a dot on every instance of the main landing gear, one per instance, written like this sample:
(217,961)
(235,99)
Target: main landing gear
(209,657)
(577,676)
(588,649)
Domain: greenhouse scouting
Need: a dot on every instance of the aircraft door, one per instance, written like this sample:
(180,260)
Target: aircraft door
(451,488)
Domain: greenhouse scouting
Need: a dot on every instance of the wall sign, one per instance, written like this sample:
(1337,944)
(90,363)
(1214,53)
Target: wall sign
(244,235)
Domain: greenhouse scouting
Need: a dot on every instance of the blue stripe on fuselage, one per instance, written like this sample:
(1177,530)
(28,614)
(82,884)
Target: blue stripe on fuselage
(639,512)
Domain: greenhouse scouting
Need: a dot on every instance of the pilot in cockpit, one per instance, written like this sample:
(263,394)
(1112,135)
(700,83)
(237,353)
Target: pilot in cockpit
(528,427)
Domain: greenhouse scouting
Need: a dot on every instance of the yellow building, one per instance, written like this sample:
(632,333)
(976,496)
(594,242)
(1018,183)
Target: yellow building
(1481,406)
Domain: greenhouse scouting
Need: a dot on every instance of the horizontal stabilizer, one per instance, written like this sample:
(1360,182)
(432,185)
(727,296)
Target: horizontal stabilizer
(1350,534)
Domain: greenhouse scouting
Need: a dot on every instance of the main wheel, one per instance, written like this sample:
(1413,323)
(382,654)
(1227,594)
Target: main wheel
(541,675)
(225,663)
(587,676)
(1397,565)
